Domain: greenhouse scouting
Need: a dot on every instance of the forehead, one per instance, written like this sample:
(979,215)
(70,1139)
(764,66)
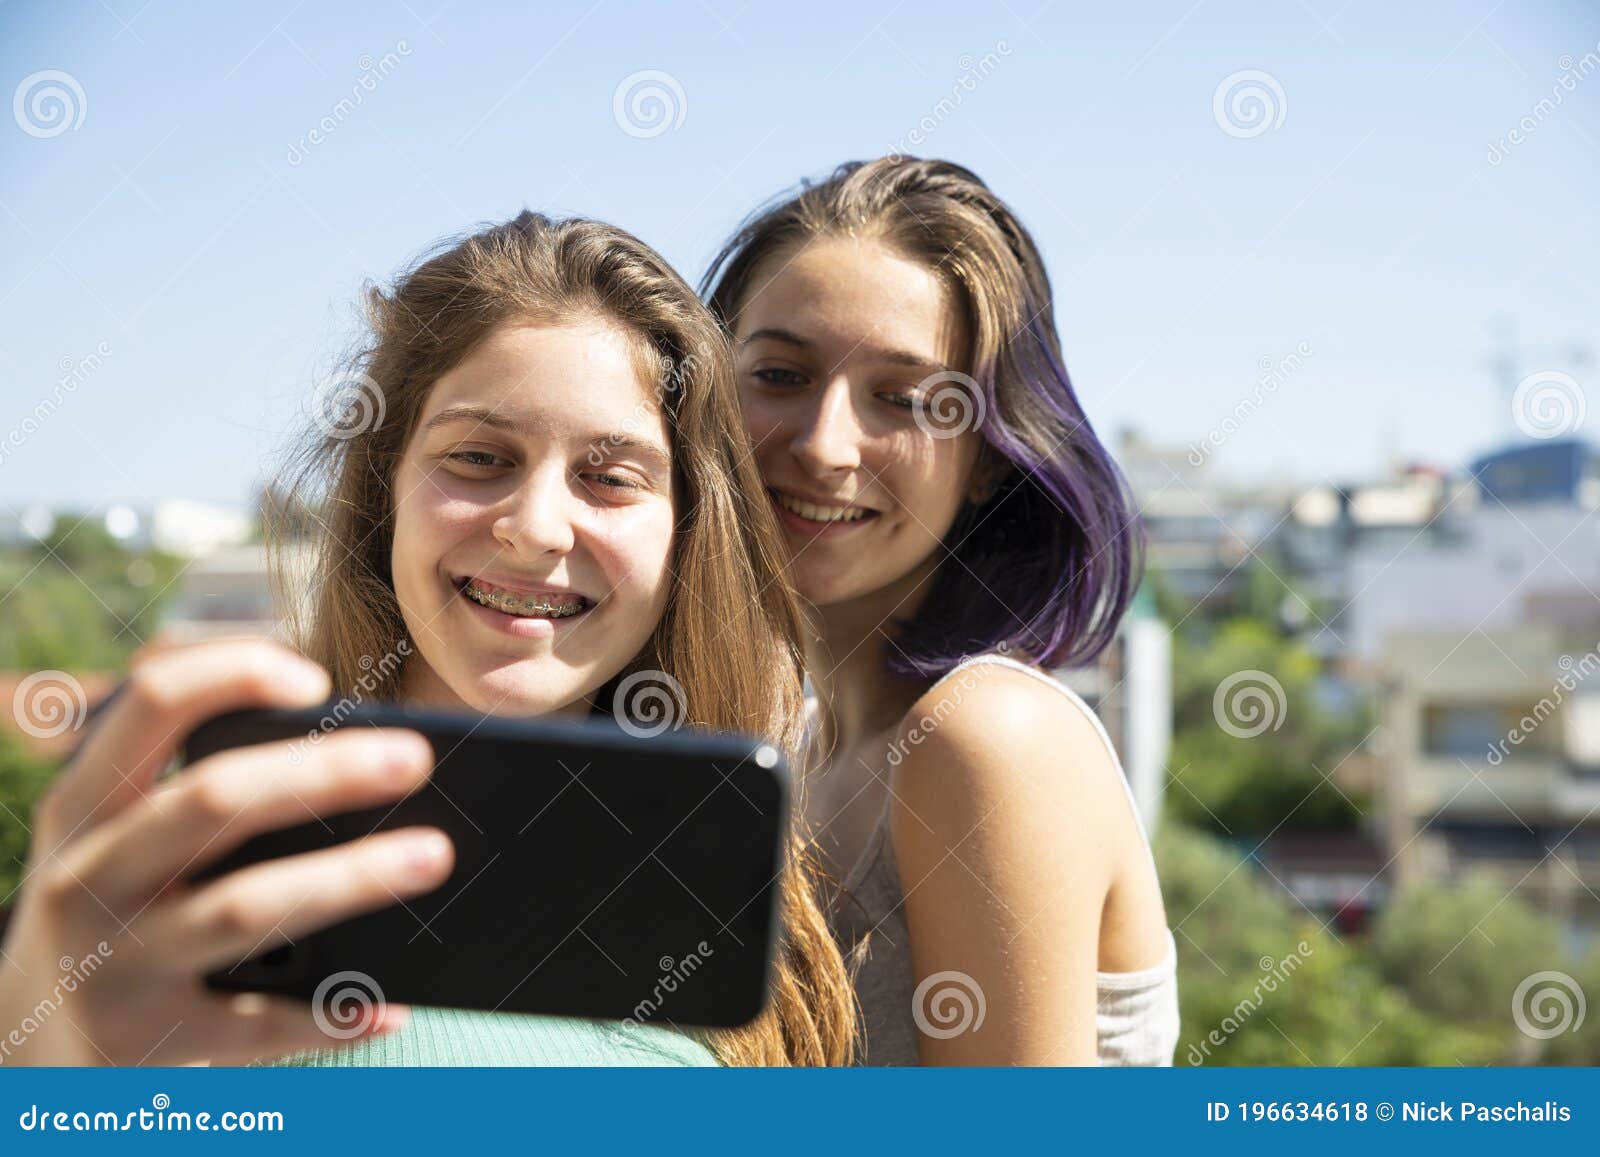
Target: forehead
(845,292)
(587,374)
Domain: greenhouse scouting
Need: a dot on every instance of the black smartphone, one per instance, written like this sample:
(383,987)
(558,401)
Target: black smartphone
(598,872)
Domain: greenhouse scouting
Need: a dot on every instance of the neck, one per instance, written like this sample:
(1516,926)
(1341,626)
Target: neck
(848,647)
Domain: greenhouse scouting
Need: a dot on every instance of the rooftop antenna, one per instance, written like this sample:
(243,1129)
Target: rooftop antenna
(1561,402)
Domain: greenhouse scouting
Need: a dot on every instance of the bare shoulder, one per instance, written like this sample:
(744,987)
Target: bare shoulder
(994,753)
(995,724)
(1009,827)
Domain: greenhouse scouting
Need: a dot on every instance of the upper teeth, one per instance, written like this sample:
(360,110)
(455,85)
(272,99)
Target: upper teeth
(822,513)
(517,604)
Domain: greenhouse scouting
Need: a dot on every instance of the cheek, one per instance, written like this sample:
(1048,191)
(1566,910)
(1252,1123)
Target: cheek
(763,419)
(428,522)
(927,477)
(634,549)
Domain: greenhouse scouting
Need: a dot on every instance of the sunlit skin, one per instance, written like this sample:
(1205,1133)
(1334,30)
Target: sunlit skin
(1020,860)
(539,463)
(834,349)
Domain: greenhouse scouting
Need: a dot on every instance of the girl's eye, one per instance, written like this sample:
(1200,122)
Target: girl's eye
(477,458)
(615,481)
(904,401)
(773,376)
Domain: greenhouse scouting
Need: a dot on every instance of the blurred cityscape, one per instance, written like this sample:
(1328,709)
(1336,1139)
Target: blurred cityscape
(1362,707)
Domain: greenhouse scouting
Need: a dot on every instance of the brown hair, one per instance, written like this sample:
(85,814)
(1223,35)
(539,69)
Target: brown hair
(730,633)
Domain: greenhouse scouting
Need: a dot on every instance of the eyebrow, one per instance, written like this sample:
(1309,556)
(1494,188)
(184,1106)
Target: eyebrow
(483,416)
(877,353)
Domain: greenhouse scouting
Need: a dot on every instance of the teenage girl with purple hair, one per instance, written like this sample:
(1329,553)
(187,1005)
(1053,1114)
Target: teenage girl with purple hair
(957,530)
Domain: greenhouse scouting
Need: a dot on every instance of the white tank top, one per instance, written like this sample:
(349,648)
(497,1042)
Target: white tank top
(1136,1016)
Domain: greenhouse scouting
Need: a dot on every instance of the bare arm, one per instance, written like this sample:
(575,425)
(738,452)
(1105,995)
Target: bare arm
(1006,824)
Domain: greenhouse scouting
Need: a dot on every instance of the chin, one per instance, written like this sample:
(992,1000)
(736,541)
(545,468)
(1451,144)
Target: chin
(826,592)
(518,690)
(823,585)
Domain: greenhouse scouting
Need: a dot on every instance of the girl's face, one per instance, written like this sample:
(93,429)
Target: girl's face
(835,348)
(533,521)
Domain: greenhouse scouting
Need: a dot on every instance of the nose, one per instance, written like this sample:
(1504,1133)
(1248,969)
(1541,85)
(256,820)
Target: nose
(829,438)
(538,517)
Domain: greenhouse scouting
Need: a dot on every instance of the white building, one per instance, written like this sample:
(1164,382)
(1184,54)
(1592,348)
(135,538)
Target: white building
(224,594)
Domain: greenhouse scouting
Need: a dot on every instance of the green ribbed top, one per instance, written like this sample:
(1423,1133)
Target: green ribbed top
(462,1037)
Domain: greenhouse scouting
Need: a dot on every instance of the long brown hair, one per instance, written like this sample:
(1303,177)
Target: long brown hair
(730,634)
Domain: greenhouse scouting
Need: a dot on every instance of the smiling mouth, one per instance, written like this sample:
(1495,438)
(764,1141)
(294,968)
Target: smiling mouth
(524,605)
(822,515)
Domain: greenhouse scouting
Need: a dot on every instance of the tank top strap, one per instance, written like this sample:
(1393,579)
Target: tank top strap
(990,658)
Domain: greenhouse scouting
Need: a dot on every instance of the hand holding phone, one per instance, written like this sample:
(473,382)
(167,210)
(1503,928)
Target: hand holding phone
(107,936)
(597,873)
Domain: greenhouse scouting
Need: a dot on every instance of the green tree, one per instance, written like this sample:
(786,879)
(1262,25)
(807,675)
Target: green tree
(1463,949)
(79,600)
(1261,983)
(1251,743)
(22,781)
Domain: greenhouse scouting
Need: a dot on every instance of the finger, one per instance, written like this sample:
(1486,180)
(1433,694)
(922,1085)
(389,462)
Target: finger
(258,908)
(166,695)
(238,1028)
(209,809)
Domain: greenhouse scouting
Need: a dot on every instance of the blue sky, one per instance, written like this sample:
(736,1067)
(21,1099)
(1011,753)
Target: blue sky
(180,225)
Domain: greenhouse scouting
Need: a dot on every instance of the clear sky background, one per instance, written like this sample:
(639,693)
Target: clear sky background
(173,225)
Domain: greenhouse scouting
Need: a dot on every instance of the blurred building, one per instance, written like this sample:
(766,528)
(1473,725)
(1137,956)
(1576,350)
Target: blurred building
(1468,605)
(174,526)
(1199,528)
(1565,473)
(1516,543)
(1130,689)
(227,593)
(1481,629)
(1492,757)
